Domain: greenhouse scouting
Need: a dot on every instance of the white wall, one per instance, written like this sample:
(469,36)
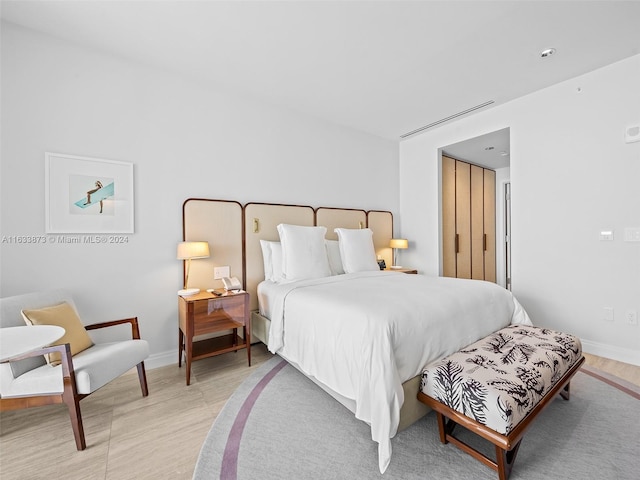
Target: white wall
(572,175)
(185,140)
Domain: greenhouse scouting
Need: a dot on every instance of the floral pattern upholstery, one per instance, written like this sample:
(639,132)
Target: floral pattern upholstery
(499,379)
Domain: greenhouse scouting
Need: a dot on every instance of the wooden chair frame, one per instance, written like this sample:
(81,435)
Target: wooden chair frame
(70,395)
(506,446)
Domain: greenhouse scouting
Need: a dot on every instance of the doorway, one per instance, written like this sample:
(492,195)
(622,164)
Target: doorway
(490,151)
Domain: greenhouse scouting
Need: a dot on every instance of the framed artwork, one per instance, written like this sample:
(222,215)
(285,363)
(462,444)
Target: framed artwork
(88,195)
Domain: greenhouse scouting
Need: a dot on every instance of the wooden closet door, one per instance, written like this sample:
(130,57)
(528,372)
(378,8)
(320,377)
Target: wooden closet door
(448,217)
(463,219)
(477,223)
(490,225)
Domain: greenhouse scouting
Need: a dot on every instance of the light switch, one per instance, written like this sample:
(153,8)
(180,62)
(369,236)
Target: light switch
(606,235)
(219,272)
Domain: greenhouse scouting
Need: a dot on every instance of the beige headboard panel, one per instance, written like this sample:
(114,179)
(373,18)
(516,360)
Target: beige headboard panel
(340,218)
(261,221)
(218,222)
(382,225)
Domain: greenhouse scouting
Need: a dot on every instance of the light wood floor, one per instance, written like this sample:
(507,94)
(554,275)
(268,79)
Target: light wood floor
(131,437)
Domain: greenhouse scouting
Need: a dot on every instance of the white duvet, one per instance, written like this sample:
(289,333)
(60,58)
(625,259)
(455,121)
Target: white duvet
(364,334)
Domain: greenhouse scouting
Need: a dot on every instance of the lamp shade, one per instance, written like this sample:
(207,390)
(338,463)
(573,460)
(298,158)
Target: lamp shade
(399,243)
(189,250)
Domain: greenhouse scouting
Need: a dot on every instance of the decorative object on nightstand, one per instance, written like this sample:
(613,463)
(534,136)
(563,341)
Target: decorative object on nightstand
(188,251)
(212,312)
(397,243)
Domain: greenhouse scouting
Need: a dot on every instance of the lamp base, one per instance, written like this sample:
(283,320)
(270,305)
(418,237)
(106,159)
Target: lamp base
(188,292)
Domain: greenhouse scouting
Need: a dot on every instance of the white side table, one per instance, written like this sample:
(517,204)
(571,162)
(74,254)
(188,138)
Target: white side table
(16,341)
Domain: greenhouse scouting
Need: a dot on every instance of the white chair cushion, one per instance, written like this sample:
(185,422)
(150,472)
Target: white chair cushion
(94,368)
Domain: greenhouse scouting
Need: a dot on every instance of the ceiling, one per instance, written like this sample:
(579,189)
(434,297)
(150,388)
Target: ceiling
(382,67)
(491,150)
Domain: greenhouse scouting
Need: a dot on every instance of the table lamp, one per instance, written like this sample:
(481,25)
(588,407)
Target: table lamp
(188,251)
(397,243)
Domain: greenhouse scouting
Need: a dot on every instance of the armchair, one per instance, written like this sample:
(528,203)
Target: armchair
(29,381)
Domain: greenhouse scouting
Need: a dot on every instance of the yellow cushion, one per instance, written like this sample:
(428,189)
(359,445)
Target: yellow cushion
(65,316)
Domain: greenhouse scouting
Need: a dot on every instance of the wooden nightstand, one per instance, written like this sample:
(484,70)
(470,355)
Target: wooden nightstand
(402,270)
(205,313)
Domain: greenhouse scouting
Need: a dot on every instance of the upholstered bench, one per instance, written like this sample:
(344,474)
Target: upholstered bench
(496,386)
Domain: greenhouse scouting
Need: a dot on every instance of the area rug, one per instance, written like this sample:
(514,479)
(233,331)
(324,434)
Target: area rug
(280,425)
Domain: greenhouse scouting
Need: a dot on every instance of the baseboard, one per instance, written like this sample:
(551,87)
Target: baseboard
(161,359)
(619,354)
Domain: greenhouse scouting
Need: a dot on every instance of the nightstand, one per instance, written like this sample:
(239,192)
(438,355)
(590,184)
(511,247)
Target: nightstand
(205,313)
(402,270)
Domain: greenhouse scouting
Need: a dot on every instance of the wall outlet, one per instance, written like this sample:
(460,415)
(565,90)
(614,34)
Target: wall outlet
(608,314)
(632,134)
(632,317)
(632,234)
(219,272)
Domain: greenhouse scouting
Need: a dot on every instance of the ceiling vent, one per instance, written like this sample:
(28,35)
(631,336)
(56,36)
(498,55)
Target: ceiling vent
(446,119)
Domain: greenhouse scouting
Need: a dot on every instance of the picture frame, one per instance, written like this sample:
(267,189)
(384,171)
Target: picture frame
(88,195)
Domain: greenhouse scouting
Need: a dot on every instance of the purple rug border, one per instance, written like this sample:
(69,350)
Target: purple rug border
(229,467)
(616,382)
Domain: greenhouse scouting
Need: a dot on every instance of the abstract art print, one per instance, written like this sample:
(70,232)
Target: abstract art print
(88,195)
(92,192)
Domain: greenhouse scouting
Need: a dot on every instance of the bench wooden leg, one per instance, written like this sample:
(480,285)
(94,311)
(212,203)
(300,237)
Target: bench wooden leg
(440,418)
(445,427)
(564,393)
(505,460)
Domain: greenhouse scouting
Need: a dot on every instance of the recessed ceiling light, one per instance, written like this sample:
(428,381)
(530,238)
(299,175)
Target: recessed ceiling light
(548,52)
(504,154)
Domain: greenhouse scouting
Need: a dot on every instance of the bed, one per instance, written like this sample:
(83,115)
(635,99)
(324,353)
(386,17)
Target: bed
(361,334)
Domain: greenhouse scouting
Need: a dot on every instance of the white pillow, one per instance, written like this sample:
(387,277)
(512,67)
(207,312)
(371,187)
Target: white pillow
(335,260)
(356,250)
(272,258)
(276,261)
(304,254)
(267,259)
